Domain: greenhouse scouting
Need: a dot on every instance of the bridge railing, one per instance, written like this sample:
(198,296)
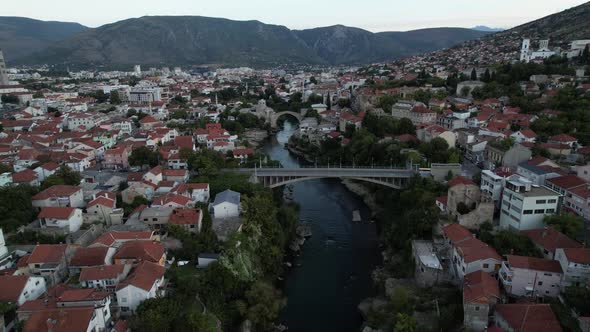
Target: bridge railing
(398,168)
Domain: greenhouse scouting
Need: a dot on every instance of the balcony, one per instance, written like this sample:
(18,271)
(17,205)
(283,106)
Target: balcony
(506,274)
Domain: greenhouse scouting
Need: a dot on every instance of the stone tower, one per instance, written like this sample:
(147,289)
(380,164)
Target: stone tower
(3,73)
(524,51)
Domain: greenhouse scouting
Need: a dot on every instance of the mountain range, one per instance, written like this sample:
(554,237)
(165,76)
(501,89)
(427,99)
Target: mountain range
(196,40)
(21,36)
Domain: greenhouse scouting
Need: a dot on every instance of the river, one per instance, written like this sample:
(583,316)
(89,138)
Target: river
(336,262)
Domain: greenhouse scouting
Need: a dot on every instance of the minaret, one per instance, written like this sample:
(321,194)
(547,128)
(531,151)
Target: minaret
(216,100)
(524,51)
(3,249)
(3,73)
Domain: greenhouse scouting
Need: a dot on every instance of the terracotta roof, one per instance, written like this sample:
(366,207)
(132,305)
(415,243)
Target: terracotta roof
(567,181)
(89,256)
(101,272)
(50,166)
(148,119)
(480,287)
(175,172)
(53,212)
(143,276)
(27,175)
(60,320)
(550,239)
(57,191)
(474,250)
(563,138)
(185,217)
(11,287)
(457,233)
(110,238)
(103,201)
(533,263)
(529,317)
(141,250)
(460,180)
(184,142)
(47,253)
(120,326)
(578,255)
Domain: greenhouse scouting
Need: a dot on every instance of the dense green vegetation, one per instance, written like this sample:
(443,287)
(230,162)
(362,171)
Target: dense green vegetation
(64,176)
(566,223)
(508,242)
(240,285)
(16,208)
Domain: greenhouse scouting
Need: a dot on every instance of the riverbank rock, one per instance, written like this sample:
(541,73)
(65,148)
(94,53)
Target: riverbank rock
(369,329)
(371,304)
(303,230)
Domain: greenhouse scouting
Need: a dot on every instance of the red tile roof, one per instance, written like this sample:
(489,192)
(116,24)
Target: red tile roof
(529,317)
(141,251)
(567,181)
(11,287)
(60,320)
(578,255)
(108,239)
(101,272)
(93,256)
(474,250)
(175,172)
(550,239)
(480,287)
(457,233)
(57,191)
(56,212)
(25,176)
(533,263)
(47,253)
(185,217)
(107,202)
(460,180)
(143,276)
(563,138)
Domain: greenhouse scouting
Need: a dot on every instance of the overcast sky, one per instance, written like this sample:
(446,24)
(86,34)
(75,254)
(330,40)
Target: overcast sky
(373,15)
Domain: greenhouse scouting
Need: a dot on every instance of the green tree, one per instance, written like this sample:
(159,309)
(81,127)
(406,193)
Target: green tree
(64,176)
(486,76)
(566,223)
(262,304)
(474,75)
(9,99)
(115,98)
(157,314)
(585,58)
(201,322)
(313,80)
(144,156)
(15,207)
(465,91)
(404,323)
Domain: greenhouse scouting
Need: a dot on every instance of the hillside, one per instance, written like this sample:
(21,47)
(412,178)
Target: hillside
(567,25)
(202,40)
(21,36)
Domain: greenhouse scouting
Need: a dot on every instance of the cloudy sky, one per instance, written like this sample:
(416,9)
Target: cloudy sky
(373,15)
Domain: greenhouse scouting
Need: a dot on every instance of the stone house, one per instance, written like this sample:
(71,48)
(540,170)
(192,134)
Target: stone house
(462,190)
(428,269)
(481,293)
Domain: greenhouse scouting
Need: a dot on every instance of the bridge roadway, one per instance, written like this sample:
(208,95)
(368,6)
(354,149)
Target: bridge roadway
(275,177)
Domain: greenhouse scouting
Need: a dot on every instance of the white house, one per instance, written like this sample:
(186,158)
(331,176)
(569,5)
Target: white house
(471,255)
(68,219)
(105,277)
(59,195)
(226,204)
(575,263)
(20,289)
(530,276)
(206,259)
(524,206)
(492,185)
(142,284)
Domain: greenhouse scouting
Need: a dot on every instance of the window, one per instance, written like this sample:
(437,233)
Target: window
(541,211)
(547,274)
(541,201)
(540,283)
(485,266)
(123,299)
(550,211)
(477,308)
(421,269)
(528,212)
(154,219)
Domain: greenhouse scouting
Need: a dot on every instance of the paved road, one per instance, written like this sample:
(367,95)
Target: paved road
(469,169)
